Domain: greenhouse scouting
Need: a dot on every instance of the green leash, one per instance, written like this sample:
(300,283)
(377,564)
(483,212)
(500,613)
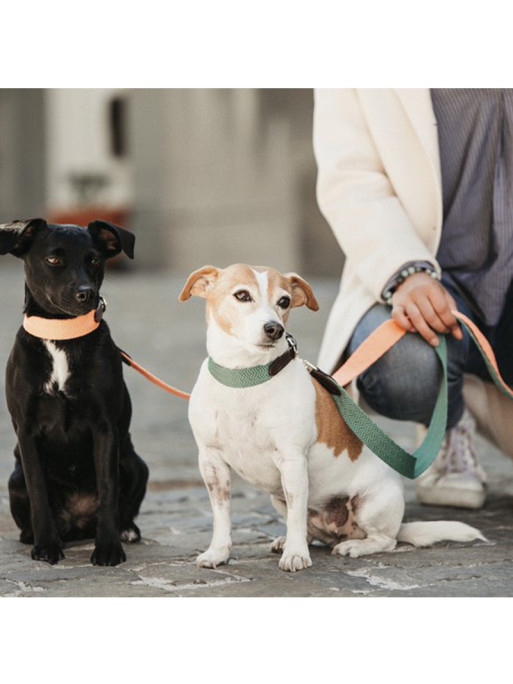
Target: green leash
(409,465)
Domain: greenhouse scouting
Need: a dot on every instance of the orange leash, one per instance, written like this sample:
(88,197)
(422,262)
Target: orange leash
(486,351)
(153,378)
(370,350)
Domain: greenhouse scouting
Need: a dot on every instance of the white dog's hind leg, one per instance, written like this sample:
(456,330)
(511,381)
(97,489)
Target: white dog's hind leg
(373,543)
(379,514)
(216,475)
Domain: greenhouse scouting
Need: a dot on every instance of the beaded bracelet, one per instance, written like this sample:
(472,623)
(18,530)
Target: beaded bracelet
(401,277)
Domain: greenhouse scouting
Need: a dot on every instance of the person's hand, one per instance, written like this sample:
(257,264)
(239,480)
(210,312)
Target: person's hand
(421,304)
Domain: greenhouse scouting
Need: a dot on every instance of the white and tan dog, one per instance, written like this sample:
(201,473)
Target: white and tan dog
(286,435)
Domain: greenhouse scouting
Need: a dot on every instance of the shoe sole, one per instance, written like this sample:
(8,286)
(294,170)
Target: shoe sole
(453,498)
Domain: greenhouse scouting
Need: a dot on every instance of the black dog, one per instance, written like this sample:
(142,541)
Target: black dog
(77,475)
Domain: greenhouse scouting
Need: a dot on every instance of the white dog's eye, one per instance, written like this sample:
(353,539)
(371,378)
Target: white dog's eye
(284,302)
(242,296)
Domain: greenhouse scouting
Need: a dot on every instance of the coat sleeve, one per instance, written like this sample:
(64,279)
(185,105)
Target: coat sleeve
(356,196)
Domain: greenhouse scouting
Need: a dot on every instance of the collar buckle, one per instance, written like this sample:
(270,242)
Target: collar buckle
(292,344)
(102,306)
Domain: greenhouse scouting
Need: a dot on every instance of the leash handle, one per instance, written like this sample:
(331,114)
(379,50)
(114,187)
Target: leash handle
(152,378)
(389,333)
(373,347)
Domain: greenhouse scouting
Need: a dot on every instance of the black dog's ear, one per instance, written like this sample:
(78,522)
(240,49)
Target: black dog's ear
(112,238)
(16,237)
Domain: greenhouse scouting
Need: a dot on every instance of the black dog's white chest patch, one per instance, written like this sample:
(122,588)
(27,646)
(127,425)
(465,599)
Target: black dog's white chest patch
(59,374)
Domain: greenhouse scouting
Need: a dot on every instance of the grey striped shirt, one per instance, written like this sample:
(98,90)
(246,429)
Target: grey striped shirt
(475,131)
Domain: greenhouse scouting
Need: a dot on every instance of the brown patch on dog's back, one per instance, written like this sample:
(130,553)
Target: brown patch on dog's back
(336,521)
(332,429)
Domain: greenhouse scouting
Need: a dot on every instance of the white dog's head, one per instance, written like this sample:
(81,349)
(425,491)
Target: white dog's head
(248,305)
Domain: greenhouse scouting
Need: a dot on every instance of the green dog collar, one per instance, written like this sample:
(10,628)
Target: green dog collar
(255,375)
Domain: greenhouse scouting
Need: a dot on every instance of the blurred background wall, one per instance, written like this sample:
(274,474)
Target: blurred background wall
(200,175)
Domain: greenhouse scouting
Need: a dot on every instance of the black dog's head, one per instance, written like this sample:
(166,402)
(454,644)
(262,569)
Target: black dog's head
(64,264)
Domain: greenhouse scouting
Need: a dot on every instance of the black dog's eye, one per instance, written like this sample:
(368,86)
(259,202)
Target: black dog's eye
(284,302)
(242,296)
(95,261)
(53,260)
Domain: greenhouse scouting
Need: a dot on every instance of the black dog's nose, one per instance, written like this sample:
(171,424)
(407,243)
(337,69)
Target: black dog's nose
(83,293)
(274,330)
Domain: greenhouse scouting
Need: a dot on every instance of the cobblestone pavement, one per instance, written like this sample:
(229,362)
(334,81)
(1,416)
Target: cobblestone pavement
(168,338)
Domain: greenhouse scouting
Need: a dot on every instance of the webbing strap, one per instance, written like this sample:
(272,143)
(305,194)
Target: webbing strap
(61,329)
(65,328)
(239,377)
(152,378)
(409,465)
(254,375)
(369,351)
(486,352)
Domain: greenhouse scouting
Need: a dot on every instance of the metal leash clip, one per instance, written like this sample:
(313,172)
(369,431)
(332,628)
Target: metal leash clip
(322,378)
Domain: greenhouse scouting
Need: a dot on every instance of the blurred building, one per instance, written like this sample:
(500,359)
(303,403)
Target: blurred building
(200,175)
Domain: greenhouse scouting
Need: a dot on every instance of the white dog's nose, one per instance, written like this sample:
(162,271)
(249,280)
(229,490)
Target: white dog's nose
(274,330)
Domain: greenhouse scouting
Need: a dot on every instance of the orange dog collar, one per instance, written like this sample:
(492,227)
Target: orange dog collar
(66,328)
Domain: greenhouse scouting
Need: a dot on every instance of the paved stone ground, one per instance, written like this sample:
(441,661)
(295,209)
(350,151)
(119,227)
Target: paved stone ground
(175,519)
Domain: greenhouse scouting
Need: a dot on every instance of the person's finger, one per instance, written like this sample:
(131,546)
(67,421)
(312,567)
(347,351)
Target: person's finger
(457,330)
(399,316)
(443,304)
(429,314)
(420,325)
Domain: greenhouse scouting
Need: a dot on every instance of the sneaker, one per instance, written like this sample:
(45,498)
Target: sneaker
(455,478)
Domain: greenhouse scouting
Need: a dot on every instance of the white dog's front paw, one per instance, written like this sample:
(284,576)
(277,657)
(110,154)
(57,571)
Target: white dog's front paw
(295,559)
(211,558)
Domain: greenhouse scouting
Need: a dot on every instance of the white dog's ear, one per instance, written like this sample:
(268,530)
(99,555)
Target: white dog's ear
(302,293)
(199,282)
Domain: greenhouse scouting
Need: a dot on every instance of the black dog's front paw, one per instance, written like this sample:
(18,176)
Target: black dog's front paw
(108,554)
(50,552)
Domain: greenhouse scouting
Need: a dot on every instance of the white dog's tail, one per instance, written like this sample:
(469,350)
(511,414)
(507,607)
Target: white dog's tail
(427,533)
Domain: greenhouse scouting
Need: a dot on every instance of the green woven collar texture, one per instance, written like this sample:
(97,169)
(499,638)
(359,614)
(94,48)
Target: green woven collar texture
(239,377)
(256,375)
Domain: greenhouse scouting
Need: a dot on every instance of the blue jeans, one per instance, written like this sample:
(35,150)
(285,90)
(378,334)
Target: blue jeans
(404,383)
